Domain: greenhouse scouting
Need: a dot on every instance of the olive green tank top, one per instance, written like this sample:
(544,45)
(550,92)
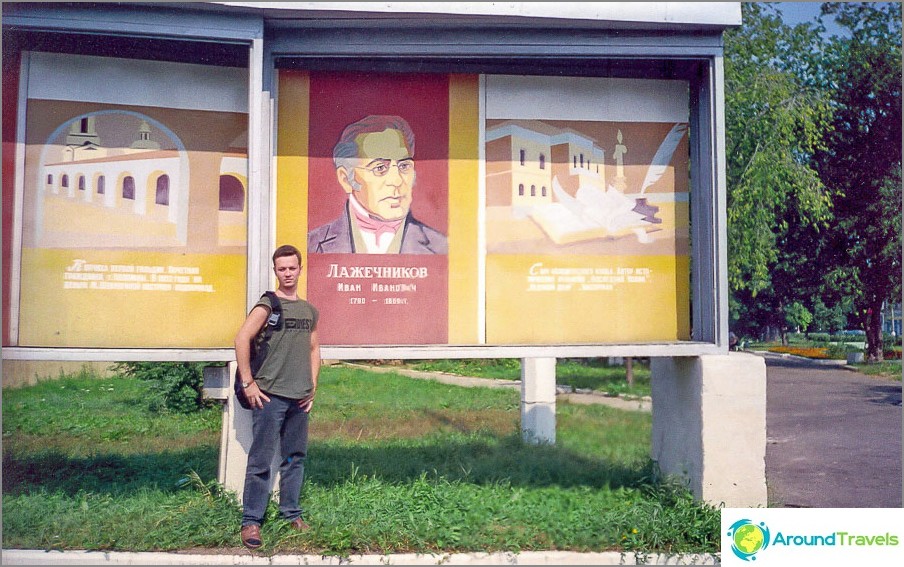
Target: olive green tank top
(287,369)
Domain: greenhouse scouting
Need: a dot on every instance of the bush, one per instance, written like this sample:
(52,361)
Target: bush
(841,350)
(890,341)
(820,337)
(179,386)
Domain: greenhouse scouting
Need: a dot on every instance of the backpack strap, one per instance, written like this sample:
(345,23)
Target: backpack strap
(259,344)
(275,320)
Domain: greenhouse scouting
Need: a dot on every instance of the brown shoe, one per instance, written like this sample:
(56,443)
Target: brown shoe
(299,525)
(251,536)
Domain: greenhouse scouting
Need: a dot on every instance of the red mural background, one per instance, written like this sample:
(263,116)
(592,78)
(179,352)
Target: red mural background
(357,308)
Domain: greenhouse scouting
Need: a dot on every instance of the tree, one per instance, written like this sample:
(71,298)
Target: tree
(861,161)
(798,317)
(828,319)
(776,119)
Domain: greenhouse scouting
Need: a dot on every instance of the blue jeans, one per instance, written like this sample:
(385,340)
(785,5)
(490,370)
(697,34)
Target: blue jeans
(280,425)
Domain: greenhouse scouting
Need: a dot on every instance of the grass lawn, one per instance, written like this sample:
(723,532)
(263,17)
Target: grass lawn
(395,465)
(886,369)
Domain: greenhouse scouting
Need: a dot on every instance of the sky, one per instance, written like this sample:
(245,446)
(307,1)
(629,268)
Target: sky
(801,12)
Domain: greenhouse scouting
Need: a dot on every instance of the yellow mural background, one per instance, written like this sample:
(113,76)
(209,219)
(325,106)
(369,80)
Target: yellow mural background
(464,197)
(130,318)
(292,164)
(656,310)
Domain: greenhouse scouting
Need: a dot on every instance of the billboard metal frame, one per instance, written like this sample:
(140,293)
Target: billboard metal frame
(433,43)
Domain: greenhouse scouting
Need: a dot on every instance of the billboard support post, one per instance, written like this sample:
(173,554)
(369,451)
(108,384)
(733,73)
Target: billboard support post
(235,437)
(703,407)
(538,400)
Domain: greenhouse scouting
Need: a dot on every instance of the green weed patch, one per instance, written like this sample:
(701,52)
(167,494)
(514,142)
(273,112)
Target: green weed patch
(395,465)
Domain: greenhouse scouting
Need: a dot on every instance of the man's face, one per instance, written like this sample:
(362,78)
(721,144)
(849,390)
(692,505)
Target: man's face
(287,269)
(385,174)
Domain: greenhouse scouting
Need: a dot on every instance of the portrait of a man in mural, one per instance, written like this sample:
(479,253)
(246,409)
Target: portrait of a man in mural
(375,166)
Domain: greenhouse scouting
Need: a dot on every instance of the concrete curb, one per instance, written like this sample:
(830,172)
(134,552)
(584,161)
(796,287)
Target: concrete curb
(38,557)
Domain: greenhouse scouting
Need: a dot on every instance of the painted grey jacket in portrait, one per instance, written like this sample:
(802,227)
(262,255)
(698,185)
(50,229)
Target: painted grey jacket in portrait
(336,237)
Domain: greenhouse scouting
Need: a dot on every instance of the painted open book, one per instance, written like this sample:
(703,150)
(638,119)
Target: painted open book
(594,213)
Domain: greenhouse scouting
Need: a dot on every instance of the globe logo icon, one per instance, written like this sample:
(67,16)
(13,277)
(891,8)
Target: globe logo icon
(748,539)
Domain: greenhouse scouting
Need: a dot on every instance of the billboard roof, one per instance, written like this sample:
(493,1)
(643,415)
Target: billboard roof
(677,13)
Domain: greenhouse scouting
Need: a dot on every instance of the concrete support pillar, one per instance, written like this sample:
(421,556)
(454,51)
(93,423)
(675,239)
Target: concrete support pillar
(235,436)
(709,426)
(538,400)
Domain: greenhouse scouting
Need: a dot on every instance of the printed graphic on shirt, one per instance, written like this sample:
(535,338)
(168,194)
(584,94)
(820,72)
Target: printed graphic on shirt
(293,324)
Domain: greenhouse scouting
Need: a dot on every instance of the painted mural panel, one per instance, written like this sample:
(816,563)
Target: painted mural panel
(432,209)
(134,204)
(586,210)
(576,232)
(376,172)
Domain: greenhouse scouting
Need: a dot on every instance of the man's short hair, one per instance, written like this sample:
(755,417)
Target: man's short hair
(347,149)
(286,250)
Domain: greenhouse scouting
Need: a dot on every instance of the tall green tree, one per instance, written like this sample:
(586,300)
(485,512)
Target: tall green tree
(861,161)
(776,120)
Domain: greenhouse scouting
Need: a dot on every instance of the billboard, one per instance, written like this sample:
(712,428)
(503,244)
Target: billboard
(133,204)
(586,210)
(513,210)
(433,209)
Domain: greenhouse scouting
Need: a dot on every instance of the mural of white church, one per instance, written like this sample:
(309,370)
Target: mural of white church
(122,195)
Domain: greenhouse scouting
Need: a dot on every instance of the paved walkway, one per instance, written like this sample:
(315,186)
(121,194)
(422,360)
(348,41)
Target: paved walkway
(565,393)
(833,436)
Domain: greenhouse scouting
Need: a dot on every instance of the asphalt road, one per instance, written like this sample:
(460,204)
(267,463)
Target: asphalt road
(833,437)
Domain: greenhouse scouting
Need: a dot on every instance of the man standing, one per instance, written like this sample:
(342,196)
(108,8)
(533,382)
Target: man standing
(374,162)
(281,396)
